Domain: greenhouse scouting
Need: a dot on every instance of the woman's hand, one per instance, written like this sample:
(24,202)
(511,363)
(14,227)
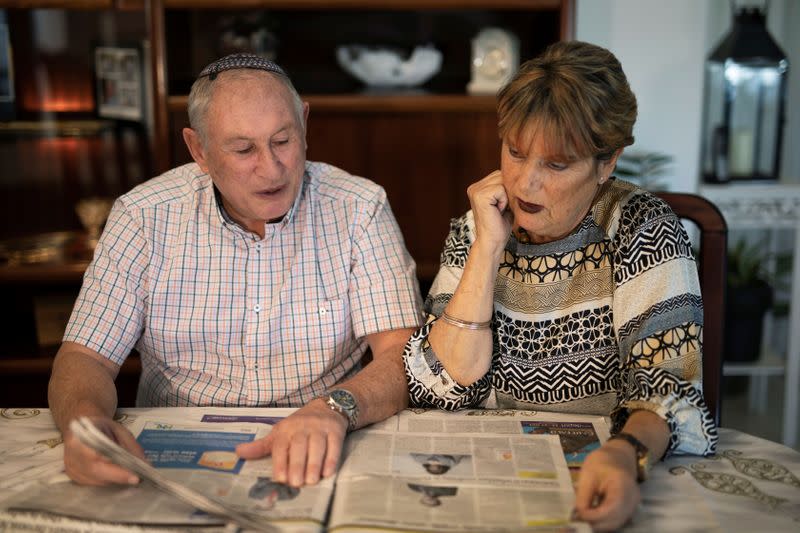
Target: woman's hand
(607,492)
(489,203)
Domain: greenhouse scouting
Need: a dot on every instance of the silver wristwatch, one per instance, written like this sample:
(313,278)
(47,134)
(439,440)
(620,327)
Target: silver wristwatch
(344,403)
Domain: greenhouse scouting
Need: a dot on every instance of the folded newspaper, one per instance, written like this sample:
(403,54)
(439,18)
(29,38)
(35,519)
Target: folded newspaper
(88,434)
(192,481)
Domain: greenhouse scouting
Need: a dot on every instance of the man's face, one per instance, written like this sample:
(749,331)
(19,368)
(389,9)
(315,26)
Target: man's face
(255,147)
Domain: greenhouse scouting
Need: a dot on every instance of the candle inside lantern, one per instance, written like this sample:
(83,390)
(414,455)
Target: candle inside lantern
(741,152)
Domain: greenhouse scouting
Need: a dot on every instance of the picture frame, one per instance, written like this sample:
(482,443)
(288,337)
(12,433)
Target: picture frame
(119,82)
(6,74)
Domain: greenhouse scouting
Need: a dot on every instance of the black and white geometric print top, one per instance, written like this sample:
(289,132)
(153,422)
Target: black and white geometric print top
(606,320)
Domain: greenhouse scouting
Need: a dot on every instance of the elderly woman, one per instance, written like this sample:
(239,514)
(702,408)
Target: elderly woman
(564,289)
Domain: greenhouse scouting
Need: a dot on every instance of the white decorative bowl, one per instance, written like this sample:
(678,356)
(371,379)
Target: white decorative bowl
(381,67)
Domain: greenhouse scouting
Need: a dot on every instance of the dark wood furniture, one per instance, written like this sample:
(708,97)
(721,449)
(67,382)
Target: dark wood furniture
(27,354)
(24,381)
(424,147)
(713,267)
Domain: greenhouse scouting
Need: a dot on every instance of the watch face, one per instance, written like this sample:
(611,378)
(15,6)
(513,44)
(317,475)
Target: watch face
(344,399)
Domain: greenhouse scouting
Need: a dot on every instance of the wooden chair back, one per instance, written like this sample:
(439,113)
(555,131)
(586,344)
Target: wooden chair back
(712,271)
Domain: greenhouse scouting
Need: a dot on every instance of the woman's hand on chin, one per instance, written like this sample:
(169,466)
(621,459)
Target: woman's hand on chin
(490,207)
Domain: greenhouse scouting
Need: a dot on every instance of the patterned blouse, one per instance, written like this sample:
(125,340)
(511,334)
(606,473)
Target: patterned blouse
(604,321)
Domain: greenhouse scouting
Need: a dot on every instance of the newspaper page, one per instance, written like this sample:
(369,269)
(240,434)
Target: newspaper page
(194,478)
(453,482)
(419,470)
(579,434)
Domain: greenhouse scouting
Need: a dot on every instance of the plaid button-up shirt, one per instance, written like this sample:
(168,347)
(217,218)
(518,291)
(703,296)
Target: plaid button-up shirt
(222,317)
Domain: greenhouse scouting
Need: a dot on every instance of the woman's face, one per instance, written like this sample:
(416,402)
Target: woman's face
(549,194)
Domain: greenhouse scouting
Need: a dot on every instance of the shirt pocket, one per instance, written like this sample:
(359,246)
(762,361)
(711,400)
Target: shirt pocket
(317,332)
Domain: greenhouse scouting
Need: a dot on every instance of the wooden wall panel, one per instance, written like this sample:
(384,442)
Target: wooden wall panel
(424,161)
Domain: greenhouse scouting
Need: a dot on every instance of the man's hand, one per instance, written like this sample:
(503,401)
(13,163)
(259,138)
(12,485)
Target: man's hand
(607,492)
(305,446)
(87,467)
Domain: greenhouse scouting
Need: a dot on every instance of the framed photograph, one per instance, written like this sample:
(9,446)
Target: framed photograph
(6,75)
(120,91)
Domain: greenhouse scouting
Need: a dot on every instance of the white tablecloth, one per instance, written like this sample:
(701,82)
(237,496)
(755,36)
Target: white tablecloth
(751,485)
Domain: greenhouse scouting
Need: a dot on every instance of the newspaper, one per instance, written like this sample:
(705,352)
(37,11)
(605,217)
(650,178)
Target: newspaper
(481,470)
(455,482)
(193,478)
(579,434)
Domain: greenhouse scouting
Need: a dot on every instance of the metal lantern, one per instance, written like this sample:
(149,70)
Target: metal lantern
(745,86)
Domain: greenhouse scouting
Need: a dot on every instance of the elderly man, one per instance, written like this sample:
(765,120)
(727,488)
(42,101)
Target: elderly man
(251,277)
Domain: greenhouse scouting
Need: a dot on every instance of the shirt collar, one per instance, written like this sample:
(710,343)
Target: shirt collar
(297,199)
(226,217)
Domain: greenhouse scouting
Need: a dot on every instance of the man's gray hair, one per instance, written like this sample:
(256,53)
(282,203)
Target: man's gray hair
(237,66)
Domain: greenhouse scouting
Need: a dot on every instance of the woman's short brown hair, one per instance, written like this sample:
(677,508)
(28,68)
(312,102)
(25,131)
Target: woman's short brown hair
(578,94)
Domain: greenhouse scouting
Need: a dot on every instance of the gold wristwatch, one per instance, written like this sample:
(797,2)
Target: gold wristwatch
(642,454)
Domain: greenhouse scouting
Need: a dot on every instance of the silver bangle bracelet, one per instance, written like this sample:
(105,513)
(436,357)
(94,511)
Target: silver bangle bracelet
(464,324)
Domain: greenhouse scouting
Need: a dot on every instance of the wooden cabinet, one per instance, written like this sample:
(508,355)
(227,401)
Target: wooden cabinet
(37,303)
(56,150)
(423,146)
(55,147)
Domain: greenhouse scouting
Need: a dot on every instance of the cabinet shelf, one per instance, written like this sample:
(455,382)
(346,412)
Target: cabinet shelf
(85,5)
(58,4)
(68,272)
(395,5)
(769,207)
(766,365)
(375,103)
(366,4)
(54,128)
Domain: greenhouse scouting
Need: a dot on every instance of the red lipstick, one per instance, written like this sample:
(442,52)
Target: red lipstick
(529,208)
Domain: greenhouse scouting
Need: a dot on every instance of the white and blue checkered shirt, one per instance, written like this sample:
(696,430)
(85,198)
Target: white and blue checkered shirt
(221,317)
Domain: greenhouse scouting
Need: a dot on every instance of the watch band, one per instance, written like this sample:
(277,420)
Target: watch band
(642,454)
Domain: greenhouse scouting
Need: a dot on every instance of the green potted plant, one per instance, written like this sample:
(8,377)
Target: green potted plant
(749,296)
(643,168)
